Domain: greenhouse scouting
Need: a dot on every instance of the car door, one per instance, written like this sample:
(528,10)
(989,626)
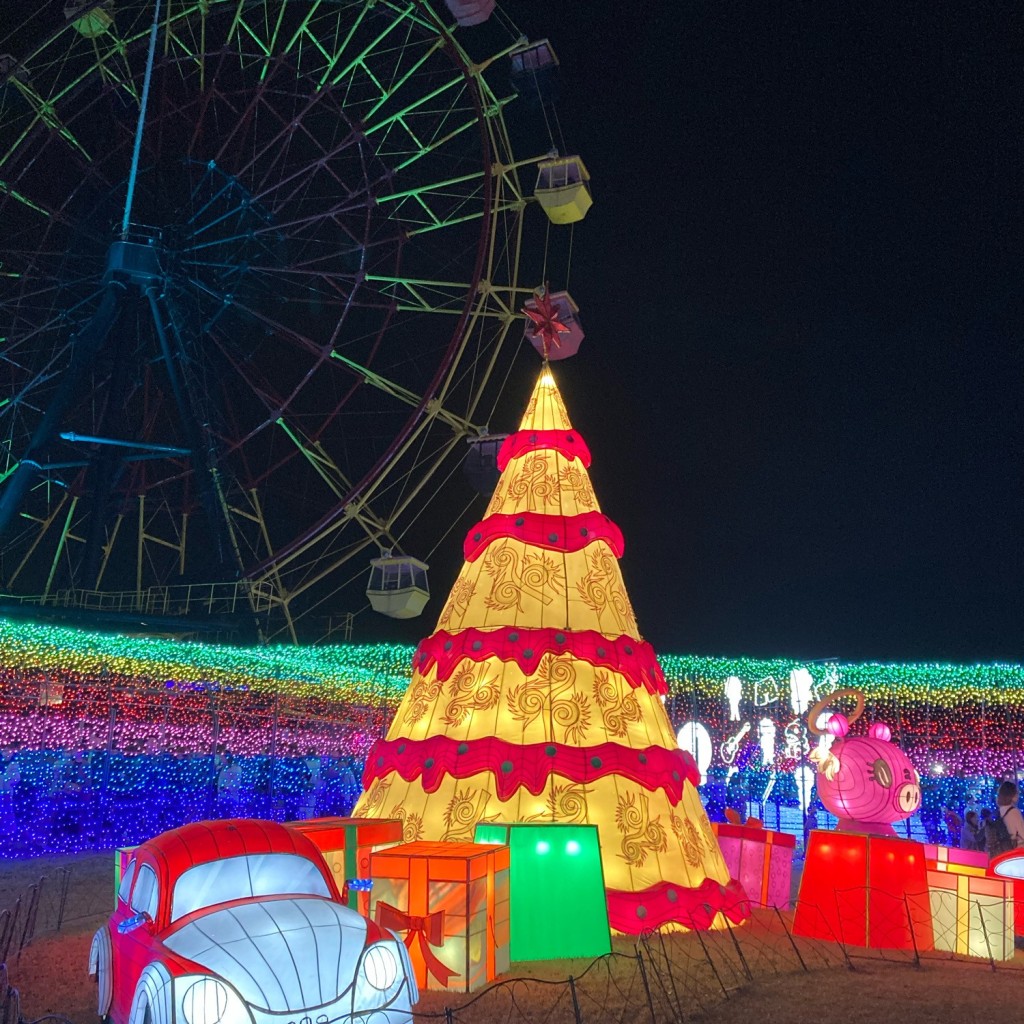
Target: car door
(134,941)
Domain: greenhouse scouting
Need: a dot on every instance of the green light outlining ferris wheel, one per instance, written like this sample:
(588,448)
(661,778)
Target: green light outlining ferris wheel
(254,380)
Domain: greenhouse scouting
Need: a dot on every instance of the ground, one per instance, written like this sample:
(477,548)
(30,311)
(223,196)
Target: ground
(752,974)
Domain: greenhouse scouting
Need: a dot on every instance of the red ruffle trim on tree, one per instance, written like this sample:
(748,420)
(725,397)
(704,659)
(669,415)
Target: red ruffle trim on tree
(542,530)
(565,442)
(529,765)
(634,659)
(648,909)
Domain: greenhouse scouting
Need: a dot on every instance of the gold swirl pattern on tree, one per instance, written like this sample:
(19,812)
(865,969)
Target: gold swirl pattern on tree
(552,692)
(458,601)
(421,696)
(471,690)
(568,803)
(710,839)
(601,588)
(412,824)
(640,834)
(540,576)
(619,707)
(693,849)
(374,798)
(494,506)
(531,410)
(533,487)
(461,815)
(502,564)
(573,479)
(543,576)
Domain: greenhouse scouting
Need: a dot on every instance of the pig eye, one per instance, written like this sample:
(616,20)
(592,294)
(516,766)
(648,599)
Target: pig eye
(906,774)
(880,772)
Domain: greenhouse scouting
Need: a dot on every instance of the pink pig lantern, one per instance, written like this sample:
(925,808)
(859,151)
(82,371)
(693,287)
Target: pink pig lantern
(861,885)
(867,782)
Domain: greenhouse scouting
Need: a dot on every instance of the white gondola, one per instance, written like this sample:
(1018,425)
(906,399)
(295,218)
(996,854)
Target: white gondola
(398,586)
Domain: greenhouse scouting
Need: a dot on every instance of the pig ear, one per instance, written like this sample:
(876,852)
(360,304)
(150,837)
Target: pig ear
(837,725)
(880,731)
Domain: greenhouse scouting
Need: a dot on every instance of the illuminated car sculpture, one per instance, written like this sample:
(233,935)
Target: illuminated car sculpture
(240,922)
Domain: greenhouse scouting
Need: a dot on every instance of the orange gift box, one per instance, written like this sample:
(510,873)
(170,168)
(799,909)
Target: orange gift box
(347,845)
(450,904)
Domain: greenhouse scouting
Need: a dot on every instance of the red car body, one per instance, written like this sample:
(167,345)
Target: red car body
(240,922)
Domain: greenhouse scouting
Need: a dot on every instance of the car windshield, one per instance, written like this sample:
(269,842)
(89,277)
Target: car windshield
(237,878)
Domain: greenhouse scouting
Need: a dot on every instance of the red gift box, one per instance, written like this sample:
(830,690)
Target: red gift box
(864,890)
(450,903)
(347,845)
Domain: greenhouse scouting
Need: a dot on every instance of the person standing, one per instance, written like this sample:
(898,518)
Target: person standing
(1007,809)
(972,835)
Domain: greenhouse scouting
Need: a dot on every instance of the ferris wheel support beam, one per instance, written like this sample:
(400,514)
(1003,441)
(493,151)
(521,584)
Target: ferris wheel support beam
(206,469)
(45,525)
(318,459)
(84,350)
(64,535)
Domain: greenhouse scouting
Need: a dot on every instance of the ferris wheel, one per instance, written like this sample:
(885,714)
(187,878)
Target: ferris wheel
(244,329)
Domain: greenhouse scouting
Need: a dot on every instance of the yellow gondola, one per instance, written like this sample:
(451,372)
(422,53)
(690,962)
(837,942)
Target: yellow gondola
(563,189)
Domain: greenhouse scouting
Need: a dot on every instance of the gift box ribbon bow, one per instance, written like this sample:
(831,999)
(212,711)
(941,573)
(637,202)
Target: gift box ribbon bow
(734,818)
(425,931)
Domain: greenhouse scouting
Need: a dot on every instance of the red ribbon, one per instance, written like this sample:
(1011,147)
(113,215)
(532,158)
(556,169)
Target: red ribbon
(427,931)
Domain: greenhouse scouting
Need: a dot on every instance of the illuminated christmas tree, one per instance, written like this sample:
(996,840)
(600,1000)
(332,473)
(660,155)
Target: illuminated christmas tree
(536,699)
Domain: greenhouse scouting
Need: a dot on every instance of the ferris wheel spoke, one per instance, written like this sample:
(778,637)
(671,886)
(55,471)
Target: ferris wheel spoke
(299,175)
(243,120)
(313,452)
(28,203)
(335,77)
(45,113)
(389,387)
(280,329)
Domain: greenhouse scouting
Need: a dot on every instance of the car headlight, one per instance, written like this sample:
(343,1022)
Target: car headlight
(205,1000)
(384,978)
(380,967)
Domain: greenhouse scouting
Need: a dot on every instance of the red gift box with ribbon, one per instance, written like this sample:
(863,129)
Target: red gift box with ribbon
(347,845)
(449,902)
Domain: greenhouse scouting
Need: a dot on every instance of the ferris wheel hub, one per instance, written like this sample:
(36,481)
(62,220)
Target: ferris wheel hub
(139,262)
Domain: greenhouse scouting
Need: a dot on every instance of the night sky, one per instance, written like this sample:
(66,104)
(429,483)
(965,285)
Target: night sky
(801,287)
